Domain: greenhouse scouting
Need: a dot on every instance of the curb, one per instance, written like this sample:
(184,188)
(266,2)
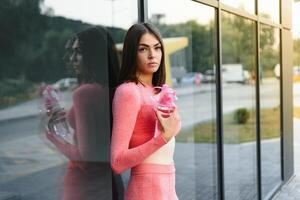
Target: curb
(18,118)
(9,196)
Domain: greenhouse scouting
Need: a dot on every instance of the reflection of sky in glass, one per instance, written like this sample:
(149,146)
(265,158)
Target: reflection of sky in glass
(190,11)
(98,12)
(296,17)
(247,5)
(269,7)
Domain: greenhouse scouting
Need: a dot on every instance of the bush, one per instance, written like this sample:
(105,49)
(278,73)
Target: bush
(14,91)
(241,116)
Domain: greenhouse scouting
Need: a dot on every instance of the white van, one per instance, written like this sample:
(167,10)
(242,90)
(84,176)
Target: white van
(233,73)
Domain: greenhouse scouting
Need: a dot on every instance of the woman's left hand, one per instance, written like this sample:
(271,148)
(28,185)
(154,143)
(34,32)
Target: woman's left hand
(52,137)
(169,123)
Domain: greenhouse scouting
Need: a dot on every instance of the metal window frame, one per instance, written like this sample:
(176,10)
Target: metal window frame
(219,7)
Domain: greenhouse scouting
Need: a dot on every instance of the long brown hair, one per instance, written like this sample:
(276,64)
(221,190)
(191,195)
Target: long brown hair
(130,49)
(100,57)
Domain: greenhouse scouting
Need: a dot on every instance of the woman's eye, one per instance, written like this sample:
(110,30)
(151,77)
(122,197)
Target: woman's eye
(142,49)
(158,48)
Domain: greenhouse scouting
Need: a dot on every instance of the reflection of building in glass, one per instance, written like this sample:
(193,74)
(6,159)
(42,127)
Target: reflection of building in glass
(172,46)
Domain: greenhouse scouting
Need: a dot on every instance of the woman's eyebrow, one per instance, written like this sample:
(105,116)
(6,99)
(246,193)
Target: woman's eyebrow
(142,44)
(76,48)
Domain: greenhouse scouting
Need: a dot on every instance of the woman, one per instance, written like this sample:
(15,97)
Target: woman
(94,58)
(142,137)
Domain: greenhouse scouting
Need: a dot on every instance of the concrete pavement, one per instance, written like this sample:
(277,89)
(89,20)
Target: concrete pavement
(291,190)
(32,157)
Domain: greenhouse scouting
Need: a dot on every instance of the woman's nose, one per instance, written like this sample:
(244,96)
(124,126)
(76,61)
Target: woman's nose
(151,53)
(72,57)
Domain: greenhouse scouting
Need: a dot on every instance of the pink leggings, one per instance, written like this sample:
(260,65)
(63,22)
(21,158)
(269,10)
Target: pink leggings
(152,181)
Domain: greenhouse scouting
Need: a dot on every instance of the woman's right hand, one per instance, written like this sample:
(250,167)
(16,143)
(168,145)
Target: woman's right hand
(51,117)
(169,124)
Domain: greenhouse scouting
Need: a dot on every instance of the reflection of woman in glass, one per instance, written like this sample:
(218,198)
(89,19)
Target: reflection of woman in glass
(93,56)
(142,138)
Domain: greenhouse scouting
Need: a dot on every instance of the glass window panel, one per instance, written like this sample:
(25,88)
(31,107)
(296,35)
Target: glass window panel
(239,118)
(296,54)
(246,5)
(34,39)
(295,17)
(269,9)
(190,41)
(270,108)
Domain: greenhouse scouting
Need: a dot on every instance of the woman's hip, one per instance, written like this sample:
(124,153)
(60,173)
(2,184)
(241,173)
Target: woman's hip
(152,181)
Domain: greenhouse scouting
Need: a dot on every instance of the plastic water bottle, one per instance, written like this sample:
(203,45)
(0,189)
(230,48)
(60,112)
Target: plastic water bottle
(166,100)
(58,123)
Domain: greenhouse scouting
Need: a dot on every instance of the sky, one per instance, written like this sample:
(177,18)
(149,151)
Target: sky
(123,13)
(296,20)
(96,11)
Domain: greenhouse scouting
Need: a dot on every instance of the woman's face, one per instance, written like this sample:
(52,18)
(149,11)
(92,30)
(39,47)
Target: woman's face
(76,57)
(149,54)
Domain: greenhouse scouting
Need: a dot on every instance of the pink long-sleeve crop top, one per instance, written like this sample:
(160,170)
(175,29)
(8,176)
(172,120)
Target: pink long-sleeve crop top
(135,134)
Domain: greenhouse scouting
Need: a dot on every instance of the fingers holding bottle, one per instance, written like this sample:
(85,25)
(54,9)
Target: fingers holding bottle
(169,123)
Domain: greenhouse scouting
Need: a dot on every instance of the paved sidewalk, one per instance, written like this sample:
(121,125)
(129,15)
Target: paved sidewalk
(26,168)
(291,190)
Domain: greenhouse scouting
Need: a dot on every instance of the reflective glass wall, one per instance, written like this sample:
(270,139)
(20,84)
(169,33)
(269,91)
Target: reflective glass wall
(296,60)
(245,5)
(190,42)
(229,146)
(35,53)
(239,107)
(270,124)
(269,9)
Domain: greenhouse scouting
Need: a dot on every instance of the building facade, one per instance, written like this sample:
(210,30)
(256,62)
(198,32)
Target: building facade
(231,65)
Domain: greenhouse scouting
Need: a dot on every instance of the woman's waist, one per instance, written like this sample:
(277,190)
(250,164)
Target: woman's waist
(89,165)
(153,168)
(163,155)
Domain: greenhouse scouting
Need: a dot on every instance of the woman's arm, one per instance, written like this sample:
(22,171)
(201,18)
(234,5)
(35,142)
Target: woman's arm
(126,106)
(70,151)
(86,102)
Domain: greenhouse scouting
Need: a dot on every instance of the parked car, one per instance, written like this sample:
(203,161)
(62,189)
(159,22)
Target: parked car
(296,73)
(192,78)
(277,71)
(65,84)
(209,76)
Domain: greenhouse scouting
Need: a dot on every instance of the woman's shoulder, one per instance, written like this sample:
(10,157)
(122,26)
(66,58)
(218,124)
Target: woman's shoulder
(89,89)
(128,89)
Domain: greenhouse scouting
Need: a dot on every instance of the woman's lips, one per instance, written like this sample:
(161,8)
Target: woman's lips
(153,64)
(76,68)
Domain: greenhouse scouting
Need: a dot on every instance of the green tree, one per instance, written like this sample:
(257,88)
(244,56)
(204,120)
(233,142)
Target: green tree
(32,44)
(296,53)
(200,52)
(15,30)
(269,47)
(238,41)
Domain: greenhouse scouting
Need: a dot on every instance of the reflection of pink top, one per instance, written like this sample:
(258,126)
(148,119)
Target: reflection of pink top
(135,135)
(89,117)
